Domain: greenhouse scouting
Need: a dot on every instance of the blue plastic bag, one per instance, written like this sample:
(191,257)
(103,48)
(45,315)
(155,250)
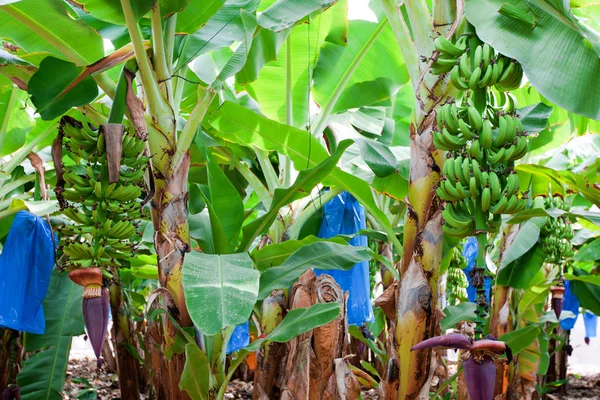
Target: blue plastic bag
(570,303)
(25,267)
(239,339)
(344,215)
(470,250)
(590,320)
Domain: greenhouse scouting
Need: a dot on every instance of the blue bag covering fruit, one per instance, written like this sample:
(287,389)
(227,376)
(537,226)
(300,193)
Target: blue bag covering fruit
(344,215)
(25,268)
(570,303)
(240,338)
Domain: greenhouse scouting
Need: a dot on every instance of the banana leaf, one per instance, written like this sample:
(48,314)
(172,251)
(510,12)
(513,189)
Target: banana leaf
(559,54)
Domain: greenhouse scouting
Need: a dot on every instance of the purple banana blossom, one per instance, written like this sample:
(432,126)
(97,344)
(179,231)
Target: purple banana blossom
(479,367)
(480,377)
(453,341)
(13,392)
(558,294)
(95,315)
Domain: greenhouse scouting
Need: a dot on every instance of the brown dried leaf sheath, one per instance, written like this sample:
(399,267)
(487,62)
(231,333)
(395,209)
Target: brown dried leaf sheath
(327,341)
(113,137)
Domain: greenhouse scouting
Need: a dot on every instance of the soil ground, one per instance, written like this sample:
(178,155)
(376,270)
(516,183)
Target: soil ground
(85,382)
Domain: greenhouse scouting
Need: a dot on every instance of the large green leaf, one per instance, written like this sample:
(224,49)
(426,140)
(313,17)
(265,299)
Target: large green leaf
(57,86)
(275,254)
(15,123)
(322,255)
(220,290)
(170,7)
(43,373)
(45,26)
(526,238)
(201,231)
(238,124)
(558,59)
(196,14)
(378,157)
(583,182)
(520,273)
(299,321)
(372,80)
(303,185)
(269,87)
(239,57)
(285,13)
(589,251)
(338,31)
(111,10)
(224,199)
(521,338)
(195,378)
(455,314)
(523,259)
(587,293)
(221,30)
(535,117)
(593,279)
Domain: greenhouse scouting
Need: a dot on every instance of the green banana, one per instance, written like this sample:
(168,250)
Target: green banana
(475,118)
(500,206)
(445,46)
(486,136)
(474,79)
(495,187)
(485,199)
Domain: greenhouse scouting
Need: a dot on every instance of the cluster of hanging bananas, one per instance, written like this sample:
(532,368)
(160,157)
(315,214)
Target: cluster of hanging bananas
(106,216)
(485,68)
(482,145)
(557,233)
(497,136)
(457,283)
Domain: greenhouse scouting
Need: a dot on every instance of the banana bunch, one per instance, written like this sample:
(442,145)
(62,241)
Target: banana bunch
(449,54)
(457,283)
(484,67)
(461,126)
(483,140)
(106,216)
(557,233)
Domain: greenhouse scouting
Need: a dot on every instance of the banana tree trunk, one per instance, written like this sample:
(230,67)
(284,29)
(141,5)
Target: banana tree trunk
(500,320)
(127,365)
(419,271)
(10,357)
(171,241)
(269,356)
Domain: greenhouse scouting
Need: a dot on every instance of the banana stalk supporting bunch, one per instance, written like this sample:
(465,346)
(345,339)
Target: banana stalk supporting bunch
(105,215)
(457,282)
(556,236)
(483,137)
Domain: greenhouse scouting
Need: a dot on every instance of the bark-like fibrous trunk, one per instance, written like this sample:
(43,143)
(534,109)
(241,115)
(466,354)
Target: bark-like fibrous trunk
(268,357)
(500,319)
(423,242)
(171,241)
(127,365)
(10,356)
(315,367)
